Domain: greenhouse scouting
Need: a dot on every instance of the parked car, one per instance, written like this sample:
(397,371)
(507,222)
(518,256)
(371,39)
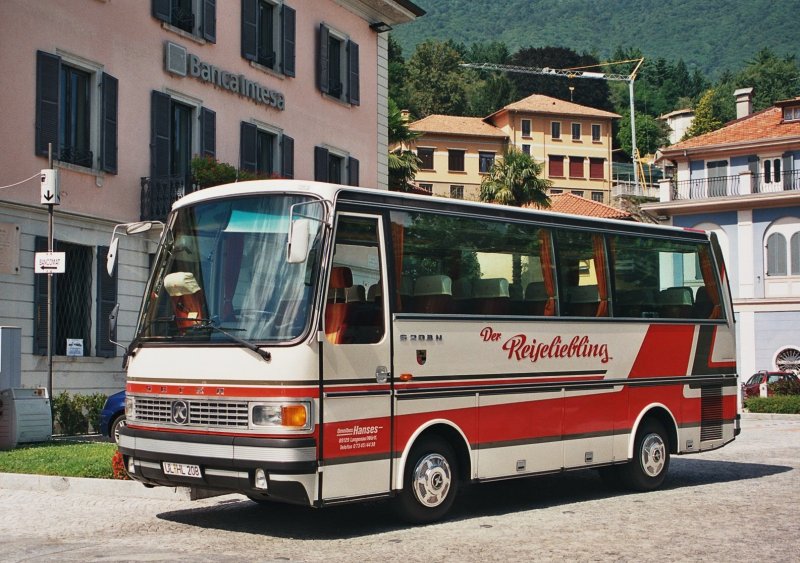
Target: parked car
(112,417)
(751,388)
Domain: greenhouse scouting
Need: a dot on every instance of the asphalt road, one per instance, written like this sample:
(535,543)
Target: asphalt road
(740,503)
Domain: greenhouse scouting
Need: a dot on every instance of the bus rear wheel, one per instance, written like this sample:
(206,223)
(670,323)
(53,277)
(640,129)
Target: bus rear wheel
(648,468)
(430,482)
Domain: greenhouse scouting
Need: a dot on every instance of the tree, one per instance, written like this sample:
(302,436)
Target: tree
(403,163)
(435,81)
(398,75)
(705,116)
(651,133)
(772,78)
(516,180)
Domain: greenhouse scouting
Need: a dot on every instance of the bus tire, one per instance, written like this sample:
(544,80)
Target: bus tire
(648,468)
(430,482)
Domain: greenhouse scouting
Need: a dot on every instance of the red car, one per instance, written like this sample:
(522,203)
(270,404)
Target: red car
(751,388)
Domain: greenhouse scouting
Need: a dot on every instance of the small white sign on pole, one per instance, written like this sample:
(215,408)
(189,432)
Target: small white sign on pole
(74,346)
(50,263)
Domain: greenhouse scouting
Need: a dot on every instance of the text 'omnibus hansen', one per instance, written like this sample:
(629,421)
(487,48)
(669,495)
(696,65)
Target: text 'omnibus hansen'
(317,344)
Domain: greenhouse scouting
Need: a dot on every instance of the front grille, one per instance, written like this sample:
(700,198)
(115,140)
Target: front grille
(710,413)
(217,414)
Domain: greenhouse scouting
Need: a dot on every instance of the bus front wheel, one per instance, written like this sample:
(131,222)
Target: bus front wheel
(648,468)
(430,482)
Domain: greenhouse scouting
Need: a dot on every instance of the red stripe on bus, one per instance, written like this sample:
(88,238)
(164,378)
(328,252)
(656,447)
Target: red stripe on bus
(665,351)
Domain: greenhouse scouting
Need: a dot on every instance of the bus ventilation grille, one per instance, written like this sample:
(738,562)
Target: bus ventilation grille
(711,413)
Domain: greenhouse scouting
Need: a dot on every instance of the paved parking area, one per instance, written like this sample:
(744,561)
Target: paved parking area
(738,503)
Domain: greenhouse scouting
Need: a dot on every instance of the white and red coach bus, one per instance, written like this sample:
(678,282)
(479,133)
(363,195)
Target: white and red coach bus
(318,344)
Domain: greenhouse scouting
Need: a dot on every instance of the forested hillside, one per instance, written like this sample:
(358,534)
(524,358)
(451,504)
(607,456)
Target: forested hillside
(711,36)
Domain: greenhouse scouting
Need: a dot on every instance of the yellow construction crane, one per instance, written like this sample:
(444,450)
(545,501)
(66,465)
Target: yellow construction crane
(581,72)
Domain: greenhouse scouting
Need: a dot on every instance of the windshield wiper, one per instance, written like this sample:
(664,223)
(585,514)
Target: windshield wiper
(211,323)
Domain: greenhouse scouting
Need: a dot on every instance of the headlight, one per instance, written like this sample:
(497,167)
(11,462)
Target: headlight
(130,412)
(294,415)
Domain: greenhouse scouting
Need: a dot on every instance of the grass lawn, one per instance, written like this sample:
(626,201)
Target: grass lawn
(63,458)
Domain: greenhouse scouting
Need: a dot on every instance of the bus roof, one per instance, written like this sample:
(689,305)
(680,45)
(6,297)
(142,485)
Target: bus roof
(400,200)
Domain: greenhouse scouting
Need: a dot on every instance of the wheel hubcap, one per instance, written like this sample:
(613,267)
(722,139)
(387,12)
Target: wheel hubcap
(432,480)
(654,455)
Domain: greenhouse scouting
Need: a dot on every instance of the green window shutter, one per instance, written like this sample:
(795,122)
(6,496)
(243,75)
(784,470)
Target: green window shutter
(106,299)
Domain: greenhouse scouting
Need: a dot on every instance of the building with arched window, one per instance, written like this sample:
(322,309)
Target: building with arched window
(743,183)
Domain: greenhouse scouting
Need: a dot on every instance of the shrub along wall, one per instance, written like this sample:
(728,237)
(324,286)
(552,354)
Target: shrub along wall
(77,414)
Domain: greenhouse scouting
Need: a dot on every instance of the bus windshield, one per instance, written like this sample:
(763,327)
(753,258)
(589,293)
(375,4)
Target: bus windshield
(222,273)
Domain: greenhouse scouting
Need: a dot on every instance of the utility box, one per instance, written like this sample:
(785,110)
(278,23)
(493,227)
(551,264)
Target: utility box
(10,357)
(25,416)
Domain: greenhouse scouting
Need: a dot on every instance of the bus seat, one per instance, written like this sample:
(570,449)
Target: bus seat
(374,293)
(337,309)
(635,303)
(583,301)
(433,294)
(186,296)
(535,298)
(676,302)
(703,307)
(491,296)
(355,294)
(462,295)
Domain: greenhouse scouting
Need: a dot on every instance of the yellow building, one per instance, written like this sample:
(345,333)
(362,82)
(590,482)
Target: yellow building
(573,141)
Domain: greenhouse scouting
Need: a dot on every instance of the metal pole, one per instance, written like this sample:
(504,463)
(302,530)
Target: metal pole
(50,288)
(633,139)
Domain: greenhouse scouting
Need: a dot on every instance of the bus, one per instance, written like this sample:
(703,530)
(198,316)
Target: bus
(318,344)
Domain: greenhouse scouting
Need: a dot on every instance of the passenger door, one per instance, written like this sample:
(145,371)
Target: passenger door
(356,383)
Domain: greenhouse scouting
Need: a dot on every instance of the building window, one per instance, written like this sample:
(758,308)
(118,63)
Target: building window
(555,129)
(526,127)
(772,170)
(268,35)
(556,166)
(72,301)
(425,156)
(596,168)
(791,114)
(783,259)
(576,131)
(457,192)
(526,149)
(597,196)
(576,167)
(67,112)
(578,193)
(485,162)
(196,17)
(556,192)
(337,167)
(175,141)
(426,188)
(595,132)
(455,160)
(266,151)
(338,70)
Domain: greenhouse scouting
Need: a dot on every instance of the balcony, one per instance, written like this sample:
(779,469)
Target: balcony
(159,193)
(741,184)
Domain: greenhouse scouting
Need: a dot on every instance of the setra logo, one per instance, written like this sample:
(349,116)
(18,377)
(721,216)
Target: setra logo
(180,412)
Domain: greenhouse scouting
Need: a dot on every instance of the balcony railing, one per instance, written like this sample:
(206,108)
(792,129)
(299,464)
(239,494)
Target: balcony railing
(727,186)
(159,193)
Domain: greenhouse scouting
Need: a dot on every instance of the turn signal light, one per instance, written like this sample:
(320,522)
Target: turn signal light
(294,416)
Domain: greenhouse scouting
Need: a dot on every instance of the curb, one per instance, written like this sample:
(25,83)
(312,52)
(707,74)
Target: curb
(86,486)
(769,416)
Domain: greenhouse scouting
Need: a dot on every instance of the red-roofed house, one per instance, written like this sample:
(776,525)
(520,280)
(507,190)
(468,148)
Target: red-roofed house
(743,182)
(573,141)
(576,205)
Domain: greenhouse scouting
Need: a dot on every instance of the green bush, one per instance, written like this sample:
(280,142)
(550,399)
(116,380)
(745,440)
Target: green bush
(785,387)
(781,404)
(75,414)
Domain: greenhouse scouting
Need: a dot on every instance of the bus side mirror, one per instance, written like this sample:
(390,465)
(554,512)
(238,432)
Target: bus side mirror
(111,257)
(297,243)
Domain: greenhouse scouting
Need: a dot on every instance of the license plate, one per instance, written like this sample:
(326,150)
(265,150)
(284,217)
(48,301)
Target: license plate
(182,470)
